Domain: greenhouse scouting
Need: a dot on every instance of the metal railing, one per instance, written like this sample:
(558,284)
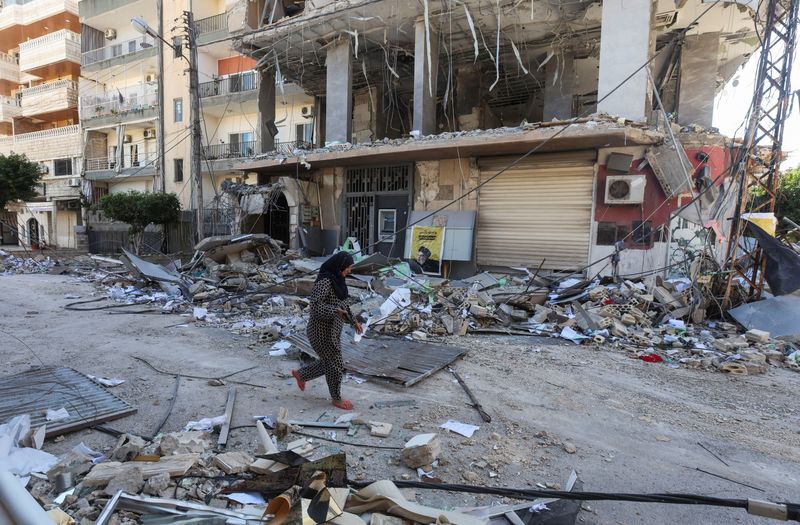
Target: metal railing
(120,101)
(241,82)
(121,49)
(140,160)
(211,24)
(234,150)
(288,148)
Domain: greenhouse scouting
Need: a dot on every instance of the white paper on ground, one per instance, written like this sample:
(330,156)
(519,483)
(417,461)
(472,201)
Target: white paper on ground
(357,380)
(571,335)
(282,345)
(277,353)
(538,507)
(677,323)
(57,415)
(247,498)
(106,381)
(206,424)
(464,429)
(200,313)
(400,298)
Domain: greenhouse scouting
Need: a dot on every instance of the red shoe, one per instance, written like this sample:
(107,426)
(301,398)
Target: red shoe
(344,404)
(300,383)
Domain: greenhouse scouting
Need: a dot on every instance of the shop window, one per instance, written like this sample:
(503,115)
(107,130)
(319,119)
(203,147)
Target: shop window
(608,233)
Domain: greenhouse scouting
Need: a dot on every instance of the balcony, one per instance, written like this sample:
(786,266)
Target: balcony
(236,150)
(138,102)
(123,52)
(212,29)
(38,146)
(105,168)
(9,69)
(51,97)
(26,12)
(235,89)
(9,108)
(56,54)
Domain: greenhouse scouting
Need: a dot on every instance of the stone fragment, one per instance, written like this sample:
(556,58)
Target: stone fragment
(470,476)
(570,448)
(157,485)
(128,447)
(757,336)
(422,450)
(379,429)
(131,482)
(233,462)
(194,442)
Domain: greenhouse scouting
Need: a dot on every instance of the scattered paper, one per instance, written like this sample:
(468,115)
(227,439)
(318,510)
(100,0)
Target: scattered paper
(354,378)
(538,507)
(464,429)
(200,313)
(277,353)
(282,345)
(571,335)
(105,381)
(677,323)
(247,498)
(61,497)
(206,424)
(57,415)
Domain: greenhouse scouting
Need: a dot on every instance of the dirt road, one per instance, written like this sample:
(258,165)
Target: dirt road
(635,426)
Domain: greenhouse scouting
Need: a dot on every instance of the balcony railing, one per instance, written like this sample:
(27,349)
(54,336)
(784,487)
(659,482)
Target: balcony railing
(47,144)
(49,49)
(212,23)
(121,49)
(288,148)
(234,150)
(9,108)
(241,82)
(9,68)
(26,12)
(52,96)
(120,101)
(140,161)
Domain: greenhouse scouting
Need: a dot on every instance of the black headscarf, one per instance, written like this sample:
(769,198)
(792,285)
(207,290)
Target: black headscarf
(332,269)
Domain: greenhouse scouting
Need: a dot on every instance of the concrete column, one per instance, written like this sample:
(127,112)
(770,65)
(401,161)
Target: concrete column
(626,43)
(339,93)
(468,98)
(266,109)
(559,88)
(319,121)
(425,77)
(699,58)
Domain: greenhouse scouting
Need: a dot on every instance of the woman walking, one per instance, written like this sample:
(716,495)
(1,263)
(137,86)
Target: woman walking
(330,308)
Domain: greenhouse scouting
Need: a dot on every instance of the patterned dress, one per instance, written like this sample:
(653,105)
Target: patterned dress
(325,335)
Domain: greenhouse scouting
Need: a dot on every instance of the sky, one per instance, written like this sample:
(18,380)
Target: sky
(733,101)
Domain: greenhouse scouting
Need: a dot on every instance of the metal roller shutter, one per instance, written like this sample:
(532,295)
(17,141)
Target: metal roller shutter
(539,209)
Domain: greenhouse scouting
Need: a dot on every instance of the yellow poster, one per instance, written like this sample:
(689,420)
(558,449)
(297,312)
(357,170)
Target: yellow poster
(427,247)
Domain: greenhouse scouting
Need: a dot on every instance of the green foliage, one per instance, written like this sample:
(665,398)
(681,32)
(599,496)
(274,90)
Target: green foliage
(18,178)
(788,202)
(139,209)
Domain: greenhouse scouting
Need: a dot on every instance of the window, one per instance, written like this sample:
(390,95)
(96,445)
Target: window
(387,220)
(178,165)
(608,233)
(304,133)
(62,167)
(98,193)
(177,46)
(134,154)
(242,143)
(177,109)
(642,232)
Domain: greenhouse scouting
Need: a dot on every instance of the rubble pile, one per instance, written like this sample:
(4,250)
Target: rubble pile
(188,473)
(10,264)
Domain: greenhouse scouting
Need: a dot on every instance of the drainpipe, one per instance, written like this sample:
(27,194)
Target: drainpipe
(162,161)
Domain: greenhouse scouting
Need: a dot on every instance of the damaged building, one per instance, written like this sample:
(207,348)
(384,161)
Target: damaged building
(596,116)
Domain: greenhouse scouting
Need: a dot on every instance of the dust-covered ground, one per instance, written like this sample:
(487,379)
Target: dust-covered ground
(636,427)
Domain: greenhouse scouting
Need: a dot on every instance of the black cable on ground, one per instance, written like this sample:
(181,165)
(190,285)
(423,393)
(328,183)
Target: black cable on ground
(71,306)
(171,406)
(152,367)
(773,510)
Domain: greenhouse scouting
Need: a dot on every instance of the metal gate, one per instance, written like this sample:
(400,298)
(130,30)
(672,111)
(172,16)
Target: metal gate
(372,194)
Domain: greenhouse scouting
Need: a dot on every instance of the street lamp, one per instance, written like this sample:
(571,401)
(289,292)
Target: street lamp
(141,25)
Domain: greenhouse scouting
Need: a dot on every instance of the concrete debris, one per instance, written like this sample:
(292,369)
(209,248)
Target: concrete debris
(422,450)
(194,442)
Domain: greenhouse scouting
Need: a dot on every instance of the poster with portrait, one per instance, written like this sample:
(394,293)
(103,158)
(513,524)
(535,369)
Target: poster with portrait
(427,247)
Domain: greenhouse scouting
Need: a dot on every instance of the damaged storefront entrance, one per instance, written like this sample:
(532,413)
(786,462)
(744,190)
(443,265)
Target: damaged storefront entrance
(538,210)
(377,201)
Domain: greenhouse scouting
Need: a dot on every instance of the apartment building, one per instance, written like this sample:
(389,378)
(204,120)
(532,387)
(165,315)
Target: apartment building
(418,104)
(40,46)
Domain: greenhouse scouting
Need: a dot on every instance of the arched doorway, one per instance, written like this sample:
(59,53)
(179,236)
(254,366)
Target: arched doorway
(33,233)
(276,219)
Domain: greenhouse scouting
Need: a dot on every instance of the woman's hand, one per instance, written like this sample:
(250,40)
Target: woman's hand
(359,328)
(343,314)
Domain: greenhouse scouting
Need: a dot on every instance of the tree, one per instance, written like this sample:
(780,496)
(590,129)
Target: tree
(788,202)
(139,210)
(18,178)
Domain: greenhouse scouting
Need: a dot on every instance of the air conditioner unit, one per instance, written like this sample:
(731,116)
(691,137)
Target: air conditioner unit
(150,133)
(306,110)
(44,169)
(75,182)
(665,19)
(111,34)
(150,77)
(625,189)
(127,139)
(73,205)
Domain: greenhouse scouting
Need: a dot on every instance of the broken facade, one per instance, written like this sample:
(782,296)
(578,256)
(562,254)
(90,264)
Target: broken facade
(418,105)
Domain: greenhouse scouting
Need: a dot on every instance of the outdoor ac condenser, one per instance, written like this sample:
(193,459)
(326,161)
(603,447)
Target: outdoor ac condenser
(75,182)
(625,189)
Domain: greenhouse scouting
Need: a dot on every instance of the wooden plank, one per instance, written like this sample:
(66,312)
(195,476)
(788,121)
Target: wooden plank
(226,427)
(177,465)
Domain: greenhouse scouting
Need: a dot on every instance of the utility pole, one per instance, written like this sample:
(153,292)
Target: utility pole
(194,110)
(162,163)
